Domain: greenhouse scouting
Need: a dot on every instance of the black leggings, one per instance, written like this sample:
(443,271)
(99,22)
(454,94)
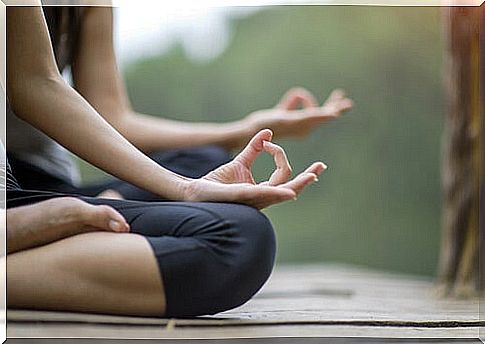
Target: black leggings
(190,162)
(212,256)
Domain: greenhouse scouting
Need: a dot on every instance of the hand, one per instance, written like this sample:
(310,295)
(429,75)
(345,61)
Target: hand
(47,221)
(234,181)
(286,119)
(77,216)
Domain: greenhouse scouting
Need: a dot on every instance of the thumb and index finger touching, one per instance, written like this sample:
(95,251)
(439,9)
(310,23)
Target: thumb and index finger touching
(296,97)
(254,148)
(262,142)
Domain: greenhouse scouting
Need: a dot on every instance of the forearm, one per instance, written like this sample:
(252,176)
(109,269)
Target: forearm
(40,96)
(26,229)
(150,133)
(71,121)
(97,78)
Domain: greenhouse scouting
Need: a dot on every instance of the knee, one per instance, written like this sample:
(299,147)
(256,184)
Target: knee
(250,263)
(225,253)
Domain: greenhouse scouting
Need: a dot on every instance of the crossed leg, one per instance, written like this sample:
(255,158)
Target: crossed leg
(180,259)
(97,272)
(100,272)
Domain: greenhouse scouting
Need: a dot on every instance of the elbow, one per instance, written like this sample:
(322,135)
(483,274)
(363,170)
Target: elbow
(26,93)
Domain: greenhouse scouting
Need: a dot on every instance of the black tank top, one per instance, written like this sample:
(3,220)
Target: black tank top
(64,24)
(11,183)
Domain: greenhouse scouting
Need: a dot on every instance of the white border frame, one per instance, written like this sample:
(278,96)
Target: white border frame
(182,4)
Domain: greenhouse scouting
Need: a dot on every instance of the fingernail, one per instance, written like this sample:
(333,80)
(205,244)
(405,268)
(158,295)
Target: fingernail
(324,166)
(115,225)
(295,198)
(316,179)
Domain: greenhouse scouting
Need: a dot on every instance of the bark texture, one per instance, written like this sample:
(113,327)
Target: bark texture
(462,154)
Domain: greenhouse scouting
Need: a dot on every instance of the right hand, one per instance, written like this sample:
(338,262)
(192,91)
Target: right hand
(234,182)
(286,119)
(58,218)
(76,216)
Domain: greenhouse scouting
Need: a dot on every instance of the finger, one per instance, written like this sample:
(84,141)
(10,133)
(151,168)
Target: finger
(300,182)
(254,147)
(106,218)
(260,196)
(296,97)
(317,168)
(336,94)
(329,111)
(283,168)
(344,104)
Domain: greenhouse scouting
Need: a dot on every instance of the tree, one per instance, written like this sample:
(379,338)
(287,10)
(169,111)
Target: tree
(462,154)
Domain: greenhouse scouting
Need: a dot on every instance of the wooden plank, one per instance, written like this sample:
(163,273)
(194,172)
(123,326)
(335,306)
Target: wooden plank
(153,332)
(363,295)
(269,340)
(312,299)
(26,316)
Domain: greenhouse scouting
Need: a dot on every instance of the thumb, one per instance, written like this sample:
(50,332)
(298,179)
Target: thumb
(106,218)
(254,147)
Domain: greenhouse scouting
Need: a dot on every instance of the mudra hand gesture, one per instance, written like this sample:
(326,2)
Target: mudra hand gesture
(298,113)
(234,182)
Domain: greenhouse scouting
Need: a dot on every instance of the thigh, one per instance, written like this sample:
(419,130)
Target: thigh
(193,162)
(94,272)
(182,219)
(212,256)
(199,250)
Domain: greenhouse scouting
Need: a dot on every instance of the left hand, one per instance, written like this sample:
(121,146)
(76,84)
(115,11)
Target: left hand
(234,182)
(298,113)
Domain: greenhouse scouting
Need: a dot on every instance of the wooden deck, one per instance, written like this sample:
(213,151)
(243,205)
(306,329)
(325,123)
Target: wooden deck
(298,301)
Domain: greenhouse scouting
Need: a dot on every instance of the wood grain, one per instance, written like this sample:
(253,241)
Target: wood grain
(307,300)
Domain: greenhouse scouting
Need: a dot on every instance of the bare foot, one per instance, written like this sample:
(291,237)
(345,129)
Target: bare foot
(111,194)
(58,218)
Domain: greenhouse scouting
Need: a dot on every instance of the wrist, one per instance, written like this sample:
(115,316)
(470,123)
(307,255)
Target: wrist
(188,190)
(182,187)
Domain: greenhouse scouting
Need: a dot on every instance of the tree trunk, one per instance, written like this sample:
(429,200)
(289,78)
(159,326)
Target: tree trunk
(459,261)
(481,284)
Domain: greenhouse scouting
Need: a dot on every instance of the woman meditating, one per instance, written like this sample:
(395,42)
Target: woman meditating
(82,39)
(206,250)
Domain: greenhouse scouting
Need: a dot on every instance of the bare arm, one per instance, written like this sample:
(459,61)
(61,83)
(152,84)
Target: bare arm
(97,78)
(39,95)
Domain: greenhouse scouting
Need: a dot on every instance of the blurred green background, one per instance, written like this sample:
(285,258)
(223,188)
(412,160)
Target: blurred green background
(378,205)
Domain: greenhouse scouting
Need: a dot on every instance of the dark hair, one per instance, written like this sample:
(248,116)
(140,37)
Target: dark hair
(64,26)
